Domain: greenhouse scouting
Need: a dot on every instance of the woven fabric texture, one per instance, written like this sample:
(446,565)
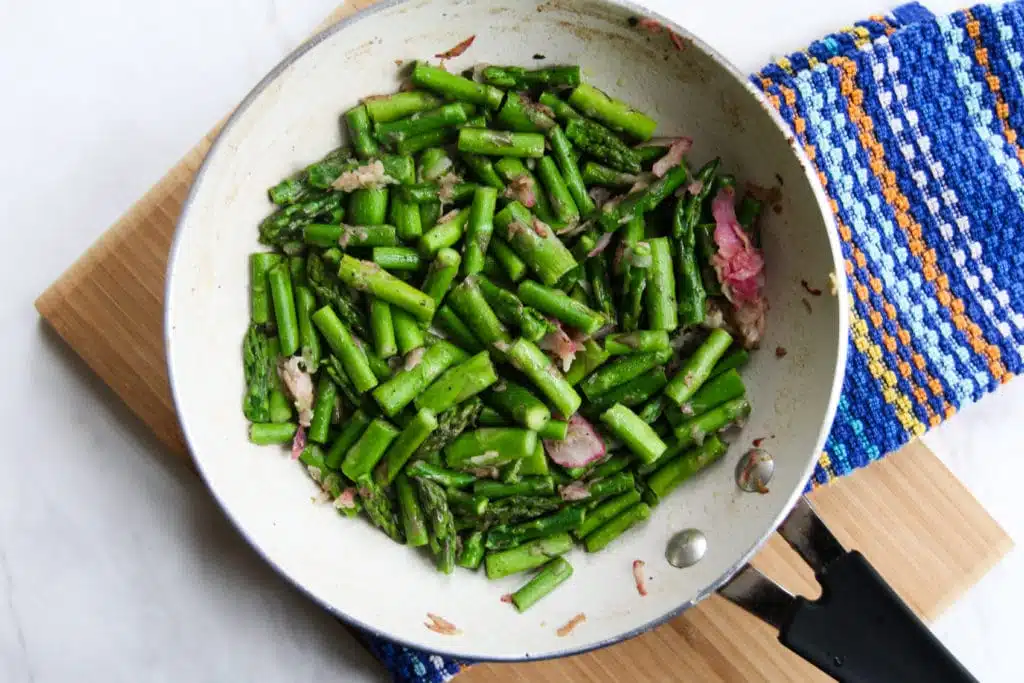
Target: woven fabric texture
(912,122)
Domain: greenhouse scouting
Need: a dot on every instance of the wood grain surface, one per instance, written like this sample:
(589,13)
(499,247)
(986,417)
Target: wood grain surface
(917,524)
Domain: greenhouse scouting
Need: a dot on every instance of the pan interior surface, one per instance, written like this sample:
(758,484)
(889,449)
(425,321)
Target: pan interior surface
(350,567)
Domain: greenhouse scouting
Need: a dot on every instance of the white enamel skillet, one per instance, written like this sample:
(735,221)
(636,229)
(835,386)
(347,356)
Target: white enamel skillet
(291,119)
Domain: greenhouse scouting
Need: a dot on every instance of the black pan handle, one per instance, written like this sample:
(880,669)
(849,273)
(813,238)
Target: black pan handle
(859,630)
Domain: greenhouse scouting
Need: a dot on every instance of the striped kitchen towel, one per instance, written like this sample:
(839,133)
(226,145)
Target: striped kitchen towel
(912,122)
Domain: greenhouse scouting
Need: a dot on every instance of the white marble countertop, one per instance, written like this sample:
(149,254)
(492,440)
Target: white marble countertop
(114,563)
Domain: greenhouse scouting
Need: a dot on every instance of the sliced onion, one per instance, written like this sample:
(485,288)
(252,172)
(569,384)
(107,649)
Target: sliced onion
(582,445)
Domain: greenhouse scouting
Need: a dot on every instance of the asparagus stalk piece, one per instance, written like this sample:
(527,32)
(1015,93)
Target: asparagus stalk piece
(696,429)
(615,114)
(387,108)
(458,384)
(599,540)
(403,447)
(548,579)
(532,362)
(490,447)
(367,451)
(271,433)
(259,379)
(698,367)
(352,356)
(638,436)
(398,392)
(526,557)
(369,277)
(414,521)
(443,539)
(501,143)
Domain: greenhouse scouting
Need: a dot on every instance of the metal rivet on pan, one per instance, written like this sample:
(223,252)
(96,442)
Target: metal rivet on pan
(755,470)
(686,548)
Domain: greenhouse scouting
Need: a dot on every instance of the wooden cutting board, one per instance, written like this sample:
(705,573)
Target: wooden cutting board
(109,308)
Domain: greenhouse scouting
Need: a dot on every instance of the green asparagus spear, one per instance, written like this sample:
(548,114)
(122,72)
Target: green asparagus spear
(606,512)
(359,129)
(369,277)
(284,308)
(518,78)
(260,264)
(698,367)
(634,432)
(526,557)
(367,451)
(472,554)
(490,447)
(548,579)
(398,392)
(383,327)
(501,143)
(562,111)
(456,330)
(598,540)
(443,539)
(511,311)
(622,370)
(697,428)
(323,408)
(615,114)
(479,230)
(441,274)
(403,447)
(355,425)
(504,537)
(269,433)
(414,521)
(259,368)
(456,87)
(557,304)
(450,479)
(387,108)
(352,356)
(523,116)
(590,359)
(539,369)
(602,144)
(445,116)
(674,471)
(517,402)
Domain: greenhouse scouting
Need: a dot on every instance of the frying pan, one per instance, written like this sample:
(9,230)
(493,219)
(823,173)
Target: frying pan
(291,119)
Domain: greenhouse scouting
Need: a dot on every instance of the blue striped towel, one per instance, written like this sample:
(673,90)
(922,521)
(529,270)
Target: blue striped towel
(912,121)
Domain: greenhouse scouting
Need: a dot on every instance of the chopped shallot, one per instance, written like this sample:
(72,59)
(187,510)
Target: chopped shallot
(643,181)
(448,216)
(695,187)
(446,187)
(600,195)
(561,345)
(521,190)
(541,228)
(739,267)
(582,445)
(457,50)
(571,625)
(300,386)
(299,442)
(413,358)
(602,244)
(638,576)
(441,625)
(674,157)
(346,500)
(575,491)
(370,176)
